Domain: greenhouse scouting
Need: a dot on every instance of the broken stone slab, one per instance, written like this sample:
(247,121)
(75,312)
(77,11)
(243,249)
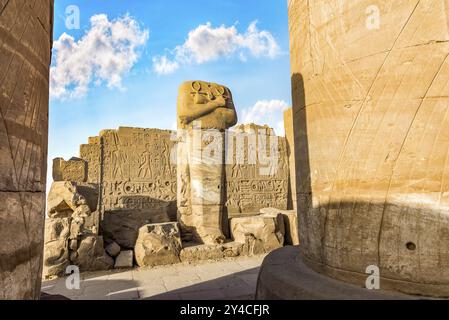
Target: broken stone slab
(91,255)
(122,226)
(125,259)
(290,222)
(158,244)
(56,248)
(265,228)
(74,169)
(193,252)
(113,249)
(66,196)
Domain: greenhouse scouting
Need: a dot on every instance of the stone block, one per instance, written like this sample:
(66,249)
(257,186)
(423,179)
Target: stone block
(56,247)
(290,223)
(264,229)
(200,252)
(91,256)
(158,244)
(74,169)
(122,226)
(113,249)
(65,197)
(125,259)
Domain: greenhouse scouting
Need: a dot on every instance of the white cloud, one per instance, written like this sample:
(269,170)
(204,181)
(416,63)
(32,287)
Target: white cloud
(164,66)
(269,112)
(106,52)
(206,43)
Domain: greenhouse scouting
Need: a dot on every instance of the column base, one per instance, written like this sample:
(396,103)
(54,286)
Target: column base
(284,276)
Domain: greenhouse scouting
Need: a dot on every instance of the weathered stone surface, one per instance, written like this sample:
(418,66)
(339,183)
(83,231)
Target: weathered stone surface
(290,223)
(369,109)
(268,229)
(91,153)
(122,226)
(56,249)
(137,170)
(71,236)
(256,171)
(158,244)
(290,139)
(25,48)
(91,256)
(125,259)
(285,276)
(74,170)
(205,111)
(193,252)
(65,197)
(113,249)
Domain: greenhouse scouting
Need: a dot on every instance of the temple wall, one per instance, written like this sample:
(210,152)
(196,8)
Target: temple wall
(135,170)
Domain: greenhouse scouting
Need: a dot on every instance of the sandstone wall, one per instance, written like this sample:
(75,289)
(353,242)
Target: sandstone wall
(25,45)
(136,178)
(261,179)
(370,116)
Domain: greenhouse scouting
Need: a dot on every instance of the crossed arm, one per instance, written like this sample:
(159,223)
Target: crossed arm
(191,111)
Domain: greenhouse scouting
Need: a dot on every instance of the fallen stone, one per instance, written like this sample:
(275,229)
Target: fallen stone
(56,248)
(124,259)
(193,252)
(113,249)
(91,256)
(252,246)
(266,228)
(122,226)
(158,244)
(65,197)
(290,222)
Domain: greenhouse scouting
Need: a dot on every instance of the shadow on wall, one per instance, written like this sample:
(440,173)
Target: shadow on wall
(299,118)
(400,235)
(122,225)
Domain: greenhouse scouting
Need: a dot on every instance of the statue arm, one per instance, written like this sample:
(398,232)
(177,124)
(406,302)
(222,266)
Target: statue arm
(230,117)
(191,111)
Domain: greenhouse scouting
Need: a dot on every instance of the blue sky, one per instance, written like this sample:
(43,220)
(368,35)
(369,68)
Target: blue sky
(251,59)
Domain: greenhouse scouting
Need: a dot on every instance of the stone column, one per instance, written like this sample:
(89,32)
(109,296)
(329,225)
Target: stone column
(25,53)
(207,174)
(370,109)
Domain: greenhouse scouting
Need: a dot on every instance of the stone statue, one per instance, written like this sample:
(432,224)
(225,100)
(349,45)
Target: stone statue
(205,111)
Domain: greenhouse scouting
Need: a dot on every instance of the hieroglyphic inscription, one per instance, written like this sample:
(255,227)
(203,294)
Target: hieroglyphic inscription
(256,170)
(136,169)
(91,153)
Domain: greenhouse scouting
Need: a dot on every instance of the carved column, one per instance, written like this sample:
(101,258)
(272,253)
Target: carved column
(370,109)
(25,51)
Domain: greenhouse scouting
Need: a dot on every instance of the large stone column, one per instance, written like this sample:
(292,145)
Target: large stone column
(370,109)
(371,117)
(25,51)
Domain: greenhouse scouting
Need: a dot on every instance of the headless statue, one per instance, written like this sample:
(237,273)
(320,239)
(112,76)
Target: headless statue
(205,111)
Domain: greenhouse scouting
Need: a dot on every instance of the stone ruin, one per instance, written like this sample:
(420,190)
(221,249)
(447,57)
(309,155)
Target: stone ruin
(154,197)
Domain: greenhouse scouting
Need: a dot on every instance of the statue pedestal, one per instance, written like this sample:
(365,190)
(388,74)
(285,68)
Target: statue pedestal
(285,276)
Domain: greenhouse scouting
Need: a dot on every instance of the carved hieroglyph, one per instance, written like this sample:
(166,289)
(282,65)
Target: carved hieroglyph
(256,170)
(137,179)
(25,49)
(370,109)
(205,111)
